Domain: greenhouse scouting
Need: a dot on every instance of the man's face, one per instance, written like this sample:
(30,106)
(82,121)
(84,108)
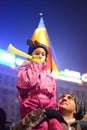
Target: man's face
(66,103)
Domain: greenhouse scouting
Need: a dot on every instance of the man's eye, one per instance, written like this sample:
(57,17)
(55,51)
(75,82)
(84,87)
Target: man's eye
(71,98)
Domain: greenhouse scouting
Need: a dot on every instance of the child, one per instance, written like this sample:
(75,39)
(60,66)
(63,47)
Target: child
(36,86)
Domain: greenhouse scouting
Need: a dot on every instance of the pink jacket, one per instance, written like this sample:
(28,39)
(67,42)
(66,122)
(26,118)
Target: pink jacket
(33,80)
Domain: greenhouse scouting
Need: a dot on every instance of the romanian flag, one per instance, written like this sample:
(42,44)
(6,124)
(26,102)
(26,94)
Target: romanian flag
(40,34)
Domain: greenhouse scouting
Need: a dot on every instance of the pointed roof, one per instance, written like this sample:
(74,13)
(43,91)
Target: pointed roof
(40,34)
(41,23)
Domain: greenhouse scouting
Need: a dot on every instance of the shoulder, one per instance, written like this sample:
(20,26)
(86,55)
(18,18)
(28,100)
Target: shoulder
(83,125)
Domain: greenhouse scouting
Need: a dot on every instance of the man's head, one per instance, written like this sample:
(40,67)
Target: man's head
(69,103)
(37,49)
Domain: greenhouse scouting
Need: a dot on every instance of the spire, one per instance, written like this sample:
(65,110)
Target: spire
(40,34)
(41,23)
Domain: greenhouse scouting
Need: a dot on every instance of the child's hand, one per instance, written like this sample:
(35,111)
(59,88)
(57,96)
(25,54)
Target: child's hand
(36,59)
(26,62)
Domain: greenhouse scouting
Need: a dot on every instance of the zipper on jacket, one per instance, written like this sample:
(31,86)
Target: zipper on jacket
(69,127)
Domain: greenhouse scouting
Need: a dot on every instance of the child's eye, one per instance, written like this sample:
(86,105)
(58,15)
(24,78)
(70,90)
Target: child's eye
(37,54)
(43,54)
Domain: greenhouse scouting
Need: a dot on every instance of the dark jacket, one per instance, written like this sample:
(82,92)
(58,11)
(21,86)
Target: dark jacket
(73,126)
(36,117)
(30,120)
(77,125)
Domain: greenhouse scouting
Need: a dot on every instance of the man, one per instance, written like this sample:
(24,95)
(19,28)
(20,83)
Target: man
(70,111)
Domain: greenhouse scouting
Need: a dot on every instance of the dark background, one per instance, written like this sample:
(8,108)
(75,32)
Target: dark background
(65,21)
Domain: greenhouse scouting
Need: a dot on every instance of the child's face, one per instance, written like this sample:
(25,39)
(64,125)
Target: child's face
(40,53)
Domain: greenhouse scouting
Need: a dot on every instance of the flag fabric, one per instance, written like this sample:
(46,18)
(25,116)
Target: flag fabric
(40,34)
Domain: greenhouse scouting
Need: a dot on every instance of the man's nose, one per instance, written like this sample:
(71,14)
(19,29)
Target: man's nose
(64,98)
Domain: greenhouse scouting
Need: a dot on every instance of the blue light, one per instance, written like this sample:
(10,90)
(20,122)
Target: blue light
(6,58)
(19,61)
(9,59)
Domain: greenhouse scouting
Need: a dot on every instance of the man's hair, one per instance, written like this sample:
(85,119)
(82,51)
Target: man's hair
(80,108)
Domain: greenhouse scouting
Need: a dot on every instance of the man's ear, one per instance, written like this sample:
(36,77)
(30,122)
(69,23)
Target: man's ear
(74,112)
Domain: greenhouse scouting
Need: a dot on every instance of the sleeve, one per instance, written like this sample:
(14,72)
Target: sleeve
(30,120)
(52,113)
(28,75)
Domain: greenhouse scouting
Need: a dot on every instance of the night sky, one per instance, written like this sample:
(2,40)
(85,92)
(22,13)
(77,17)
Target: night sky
(65,21)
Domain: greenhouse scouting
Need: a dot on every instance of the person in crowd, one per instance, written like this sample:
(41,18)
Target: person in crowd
(36,86)
(70,113)
(2,119)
